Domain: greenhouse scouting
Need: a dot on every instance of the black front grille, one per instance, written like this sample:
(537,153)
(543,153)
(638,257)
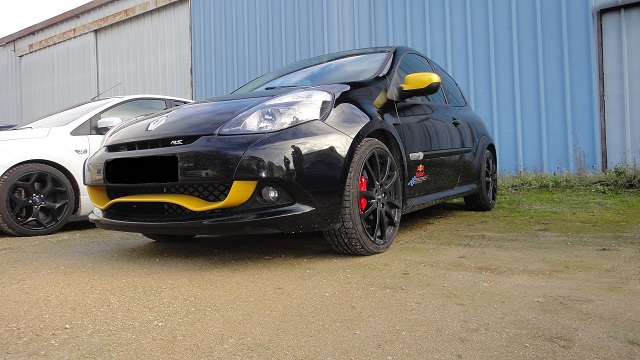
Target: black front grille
(156,212)
(207,192)
(166,212)
(152,144)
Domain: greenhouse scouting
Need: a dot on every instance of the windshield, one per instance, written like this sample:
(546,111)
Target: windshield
(327,69)
(67,116)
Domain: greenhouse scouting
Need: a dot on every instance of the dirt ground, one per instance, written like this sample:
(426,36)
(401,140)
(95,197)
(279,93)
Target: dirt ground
(449,288)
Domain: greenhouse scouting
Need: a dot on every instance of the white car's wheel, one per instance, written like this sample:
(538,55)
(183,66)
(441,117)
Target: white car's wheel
(35,199)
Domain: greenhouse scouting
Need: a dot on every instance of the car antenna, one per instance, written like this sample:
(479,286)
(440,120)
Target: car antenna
(97,96)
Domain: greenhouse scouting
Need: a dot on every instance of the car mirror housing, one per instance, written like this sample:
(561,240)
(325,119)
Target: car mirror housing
(427,83)
(417,84)
(107,123)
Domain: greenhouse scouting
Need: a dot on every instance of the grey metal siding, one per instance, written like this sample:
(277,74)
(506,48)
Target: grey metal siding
(528,67)
(54,78)
(621,73)
(149,54)
(10,80)
(144,45)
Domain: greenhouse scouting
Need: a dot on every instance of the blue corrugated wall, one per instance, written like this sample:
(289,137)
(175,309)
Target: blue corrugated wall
(528,67)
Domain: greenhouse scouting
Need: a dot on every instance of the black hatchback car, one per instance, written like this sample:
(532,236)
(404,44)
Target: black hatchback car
(343,143)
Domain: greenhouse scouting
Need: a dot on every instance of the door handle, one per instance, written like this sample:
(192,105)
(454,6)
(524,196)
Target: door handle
(456,122)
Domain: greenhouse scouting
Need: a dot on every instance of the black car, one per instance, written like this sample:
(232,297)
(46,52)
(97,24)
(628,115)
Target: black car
(343,143)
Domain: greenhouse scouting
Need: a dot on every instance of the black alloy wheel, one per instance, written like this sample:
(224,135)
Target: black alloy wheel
(35,199)
(372,202)
(485,198)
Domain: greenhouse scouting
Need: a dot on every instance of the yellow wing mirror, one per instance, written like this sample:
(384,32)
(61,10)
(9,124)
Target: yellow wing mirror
(425,83)
(416,84)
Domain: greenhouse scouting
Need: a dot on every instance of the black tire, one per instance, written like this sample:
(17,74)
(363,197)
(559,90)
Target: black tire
(35,199)
(369,218)
(485,198)
(169,238)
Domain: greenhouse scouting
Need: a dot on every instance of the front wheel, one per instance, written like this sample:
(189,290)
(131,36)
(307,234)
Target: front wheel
(485,198)
(372,202)
(35,199)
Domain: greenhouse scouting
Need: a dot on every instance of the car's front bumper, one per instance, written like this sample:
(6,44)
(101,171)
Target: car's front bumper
(290,219)
(306,164)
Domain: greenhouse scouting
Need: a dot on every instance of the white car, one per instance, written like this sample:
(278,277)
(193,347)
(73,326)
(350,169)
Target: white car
(41,164)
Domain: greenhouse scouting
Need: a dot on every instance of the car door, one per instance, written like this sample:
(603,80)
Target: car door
(463,117)
(431,139)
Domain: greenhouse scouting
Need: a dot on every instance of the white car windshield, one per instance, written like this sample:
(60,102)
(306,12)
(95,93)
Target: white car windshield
(66,116)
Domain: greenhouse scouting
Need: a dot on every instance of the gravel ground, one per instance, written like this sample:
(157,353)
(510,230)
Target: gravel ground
(449,288)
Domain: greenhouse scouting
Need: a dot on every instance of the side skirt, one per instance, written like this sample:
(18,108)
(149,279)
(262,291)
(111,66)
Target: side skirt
(421,202)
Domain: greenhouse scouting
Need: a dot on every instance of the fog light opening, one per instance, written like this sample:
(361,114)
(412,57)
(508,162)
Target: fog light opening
(270,194)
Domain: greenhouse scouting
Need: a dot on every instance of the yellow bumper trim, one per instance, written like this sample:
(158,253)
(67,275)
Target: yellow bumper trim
(240,192)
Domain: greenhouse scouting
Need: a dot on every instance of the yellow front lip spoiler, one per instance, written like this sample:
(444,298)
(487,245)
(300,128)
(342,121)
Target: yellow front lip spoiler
(240,192)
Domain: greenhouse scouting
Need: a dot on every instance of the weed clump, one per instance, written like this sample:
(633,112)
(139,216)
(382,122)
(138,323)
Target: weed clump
(616,179)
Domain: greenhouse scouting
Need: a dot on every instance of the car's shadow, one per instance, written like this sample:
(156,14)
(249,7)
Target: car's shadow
(132,246)
(76,225)
(232,248)
(437,211)
(269,246)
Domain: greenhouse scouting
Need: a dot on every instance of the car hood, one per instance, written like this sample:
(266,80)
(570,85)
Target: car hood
(26,133)
(200,118)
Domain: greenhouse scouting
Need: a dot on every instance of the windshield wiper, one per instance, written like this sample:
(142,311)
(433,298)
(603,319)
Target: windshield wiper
(282,87)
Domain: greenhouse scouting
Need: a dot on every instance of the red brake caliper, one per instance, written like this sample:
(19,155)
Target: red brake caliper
(362,186)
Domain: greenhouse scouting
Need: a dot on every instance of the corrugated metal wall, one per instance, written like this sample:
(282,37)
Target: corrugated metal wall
(10,80)
(56,77)
(528,67)
(621,73)
(147,52)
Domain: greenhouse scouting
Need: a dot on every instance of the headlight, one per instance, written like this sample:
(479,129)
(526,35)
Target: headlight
(281,112)
(93,173)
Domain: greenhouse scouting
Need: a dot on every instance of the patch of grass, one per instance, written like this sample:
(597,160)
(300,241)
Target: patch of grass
(634,341)
(618,178)
(569,210)
(571,203)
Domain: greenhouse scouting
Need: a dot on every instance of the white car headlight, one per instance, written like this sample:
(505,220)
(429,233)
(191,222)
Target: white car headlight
(93,174)
(281,112)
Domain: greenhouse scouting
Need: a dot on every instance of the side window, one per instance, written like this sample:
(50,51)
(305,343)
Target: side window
(451,88)
(134,108)
(414,63)
(129,110)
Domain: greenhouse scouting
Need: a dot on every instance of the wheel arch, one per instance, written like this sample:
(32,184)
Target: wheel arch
(485,143)
(392,141)
(64,171)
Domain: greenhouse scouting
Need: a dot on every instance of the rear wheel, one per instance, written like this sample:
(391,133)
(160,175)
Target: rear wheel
(169,237)
(35,199)
(372,202)
(485,198)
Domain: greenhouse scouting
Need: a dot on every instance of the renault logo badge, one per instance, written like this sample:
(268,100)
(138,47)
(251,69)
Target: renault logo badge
(157,122)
